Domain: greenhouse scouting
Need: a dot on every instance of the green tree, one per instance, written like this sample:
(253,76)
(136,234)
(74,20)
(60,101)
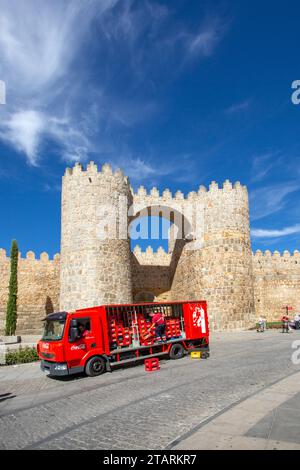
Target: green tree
(11,310)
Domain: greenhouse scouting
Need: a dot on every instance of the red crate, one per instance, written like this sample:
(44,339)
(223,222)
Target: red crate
(152,364)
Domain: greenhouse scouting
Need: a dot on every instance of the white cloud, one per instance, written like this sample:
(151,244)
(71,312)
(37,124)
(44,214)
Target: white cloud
(265,233)
(262,165)
(140,169)
(23,129)
(50,94)
(37,46)
(38,42)
(200,43)
(238,107)
(204,42)
(151,171)
(270,199)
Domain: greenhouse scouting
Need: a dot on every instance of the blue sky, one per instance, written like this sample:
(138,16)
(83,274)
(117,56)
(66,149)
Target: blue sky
(177,93)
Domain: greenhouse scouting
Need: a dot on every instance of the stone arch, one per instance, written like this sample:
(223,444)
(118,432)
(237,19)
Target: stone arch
(182,225)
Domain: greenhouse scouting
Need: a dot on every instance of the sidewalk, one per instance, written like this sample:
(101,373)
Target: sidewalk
(268,420)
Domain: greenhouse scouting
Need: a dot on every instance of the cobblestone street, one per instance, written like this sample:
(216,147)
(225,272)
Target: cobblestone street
(132,409)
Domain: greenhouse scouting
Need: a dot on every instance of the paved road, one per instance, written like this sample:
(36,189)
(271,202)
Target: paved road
(132,409)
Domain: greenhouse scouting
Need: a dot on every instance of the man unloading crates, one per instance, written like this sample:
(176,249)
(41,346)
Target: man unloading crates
(159,323)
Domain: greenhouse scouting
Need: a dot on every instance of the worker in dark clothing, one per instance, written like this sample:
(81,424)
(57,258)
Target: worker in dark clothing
(159,323)
(285,324)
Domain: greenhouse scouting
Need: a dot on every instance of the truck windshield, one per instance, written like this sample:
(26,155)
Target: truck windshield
(53,330)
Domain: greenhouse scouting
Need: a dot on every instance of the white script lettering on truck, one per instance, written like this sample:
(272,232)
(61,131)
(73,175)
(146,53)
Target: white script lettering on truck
(199,319)
(80,346)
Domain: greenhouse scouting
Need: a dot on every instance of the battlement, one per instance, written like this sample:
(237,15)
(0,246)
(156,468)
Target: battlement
(276,262)
(151,257)
(92,170)
(178,196)
(31,256)
(276,255)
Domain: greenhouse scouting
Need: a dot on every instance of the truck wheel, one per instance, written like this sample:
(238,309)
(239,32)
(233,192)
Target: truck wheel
(177,351)
(95,366)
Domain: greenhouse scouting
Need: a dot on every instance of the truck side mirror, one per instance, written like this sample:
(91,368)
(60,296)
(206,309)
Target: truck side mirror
(74,332)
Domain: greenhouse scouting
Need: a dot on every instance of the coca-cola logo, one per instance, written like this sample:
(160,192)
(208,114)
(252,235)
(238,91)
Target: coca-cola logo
(198,316)
(77,347)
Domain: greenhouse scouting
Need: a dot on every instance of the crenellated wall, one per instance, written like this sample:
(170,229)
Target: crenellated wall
(220,269)
(209,256)
(276,283)
(38,290)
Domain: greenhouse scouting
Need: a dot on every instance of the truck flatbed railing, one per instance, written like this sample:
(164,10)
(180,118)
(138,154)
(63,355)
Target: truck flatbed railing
(161,343)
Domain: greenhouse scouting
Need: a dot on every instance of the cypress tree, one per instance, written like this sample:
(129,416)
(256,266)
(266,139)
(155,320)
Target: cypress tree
(11,311)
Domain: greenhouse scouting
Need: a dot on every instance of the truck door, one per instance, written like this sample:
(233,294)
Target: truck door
(196,320)
(86,341)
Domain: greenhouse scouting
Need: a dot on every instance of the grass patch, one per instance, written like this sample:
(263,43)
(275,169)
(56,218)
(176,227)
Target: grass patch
(21,356)
(273,325)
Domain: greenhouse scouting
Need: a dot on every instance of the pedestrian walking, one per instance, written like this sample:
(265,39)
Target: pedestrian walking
(261,325)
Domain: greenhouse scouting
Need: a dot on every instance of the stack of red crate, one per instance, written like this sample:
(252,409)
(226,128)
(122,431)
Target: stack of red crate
(124,337)
(113,333)
(144,326)
(173,328)
(119,336)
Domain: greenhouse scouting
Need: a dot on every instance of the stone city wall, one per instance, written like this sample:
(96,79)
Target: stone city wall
(276,283)
(38,290)
(210,258)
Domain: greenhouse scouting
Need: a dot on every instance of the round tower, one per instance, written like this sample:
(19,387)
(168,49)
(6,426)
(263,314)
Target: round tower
(95,247)
(226,257)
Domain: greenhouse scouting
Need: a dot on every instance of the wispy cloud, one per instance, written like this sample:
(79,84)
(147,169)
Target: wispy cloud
(206,39)
(39,41)
(137,169)
(23,129)
(239,107)
(270,199)
(27,129)
(38,45)
(56,93)
(266,233)
(262,165)
(146,170)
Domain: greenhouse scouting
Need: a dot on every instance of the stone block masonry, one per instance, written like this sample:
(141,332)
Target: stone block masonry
(95,267)
(209,256)
(38,290)
(276,283)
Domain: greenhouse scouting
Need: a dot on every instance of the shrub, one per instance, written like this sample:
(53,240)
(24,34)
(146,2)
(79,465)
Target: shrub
(21,356)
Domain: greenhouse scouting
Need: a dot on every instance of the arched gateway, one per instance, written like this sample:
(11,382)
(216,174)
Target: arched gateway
(209,258)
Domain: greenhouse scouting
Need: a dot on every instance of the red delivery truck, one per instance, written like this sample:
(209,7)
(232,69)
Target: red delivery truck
(97,339)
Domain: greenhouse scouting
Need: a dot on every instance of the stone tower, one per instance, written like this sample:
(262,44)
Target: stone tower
(220,271)
(227,277)
(95,262)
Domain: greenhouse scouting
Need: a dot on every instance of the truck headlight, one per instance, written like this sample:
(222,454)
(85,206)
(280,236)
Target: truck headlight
(60,367)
